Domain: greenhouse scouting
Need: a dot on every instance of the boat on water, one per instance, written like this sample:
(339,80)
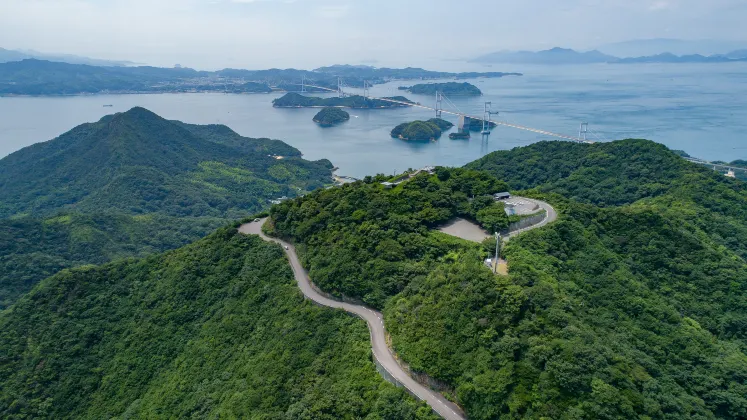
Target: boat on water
(108,106)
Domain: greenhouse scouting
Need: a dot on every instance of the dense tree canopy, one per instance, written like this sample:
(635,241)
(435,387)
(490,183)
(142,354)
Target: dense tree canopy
(130,184)
(217,329)
(631,305)
(368,242)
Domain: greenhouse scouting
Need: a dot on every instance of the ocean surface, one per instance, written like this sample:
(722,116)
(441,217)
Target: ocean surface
(700,108)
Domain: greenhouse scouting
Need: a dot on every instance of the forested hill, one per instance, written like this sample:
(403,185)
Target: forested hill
(633,304)
(217,329)
(637,172)
(138,162)
(130,184)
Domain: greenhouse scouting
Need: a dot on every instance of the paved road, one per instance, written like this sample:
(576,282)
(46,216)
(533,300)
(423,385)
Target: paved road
(470,231)
(550,216)
(375,322)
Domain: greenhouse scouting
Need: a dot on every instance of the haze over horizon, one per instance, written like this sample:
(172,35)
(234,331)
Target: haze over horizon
(212,34)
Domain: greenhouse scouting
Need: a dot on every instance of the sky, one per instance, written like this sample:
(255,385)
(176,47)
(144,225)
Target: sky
(213,34)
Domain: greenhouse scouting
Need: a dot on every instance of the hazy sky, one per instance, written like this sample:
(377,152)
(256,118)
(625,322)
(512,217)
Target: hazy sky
(307,33)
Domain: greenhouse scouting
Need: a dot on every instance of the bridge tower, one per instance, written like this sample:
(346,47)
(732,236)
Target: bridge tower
(340,93)
(366,87)
(439,104)
(303,83)
(486,118)
(583,131)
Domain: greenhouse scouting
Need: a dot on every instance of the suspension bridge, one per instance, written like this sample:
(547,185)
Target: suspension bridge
(439,110)
(487,121)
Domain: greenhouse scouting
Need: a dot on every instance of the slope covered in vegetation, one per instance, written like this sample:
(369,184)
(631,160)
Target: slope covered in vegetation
(215,329)
(367,242)
(148,184)
(33,249)
(632,305)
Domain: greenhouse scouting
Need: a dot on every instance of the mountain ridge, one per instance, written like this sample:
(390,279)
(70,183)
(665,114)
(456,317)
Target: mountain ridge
(131,184)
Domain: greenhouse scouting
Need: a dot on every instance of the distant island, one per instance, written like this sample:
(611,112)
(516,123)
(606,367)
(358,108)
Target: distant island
(476,124)
(33,77)
(463,135)
(449,88)
(556,56)
(421,130)
(295,100)
(329,116)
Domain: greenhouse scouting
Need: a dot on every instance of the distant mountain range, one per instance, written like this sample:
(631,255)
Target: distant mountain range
(552,56)
(656,46)
(557,56)
(18,55)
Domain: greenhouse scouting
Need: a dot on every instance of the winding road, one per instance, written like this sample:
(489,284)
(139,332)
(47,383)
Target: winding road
(375,321)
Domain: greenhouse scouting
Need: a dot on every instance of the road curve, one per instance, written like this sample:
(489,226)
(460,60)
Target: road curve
(375,319)
(550,216)
(471,231)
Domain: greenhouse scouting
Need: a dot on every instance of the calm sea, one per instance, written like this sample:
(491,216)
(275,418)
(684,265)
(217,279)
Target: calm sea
(701,109)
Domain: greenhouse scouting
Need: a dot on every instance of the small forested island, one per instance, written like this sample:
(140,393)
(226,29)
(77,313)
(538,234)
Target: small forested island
(421,130)
(462,135)
(449,88)
(295,100)
(330,116)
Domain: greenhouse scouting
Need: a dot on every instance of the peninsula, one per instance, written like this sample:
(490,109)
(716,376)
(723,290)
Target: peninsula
(32,77)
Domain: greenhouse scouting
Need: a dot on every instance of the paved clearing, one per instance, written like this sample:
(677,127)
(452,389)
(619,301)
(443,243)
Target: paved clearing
(473,232)
(466,230)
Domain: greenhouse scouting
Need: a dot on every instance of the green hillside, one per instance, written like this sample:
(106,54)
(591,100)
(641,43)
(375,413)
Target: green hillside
(217,329)
(632,305)
(134,183)
(33,249)
(637,172)
(138,162)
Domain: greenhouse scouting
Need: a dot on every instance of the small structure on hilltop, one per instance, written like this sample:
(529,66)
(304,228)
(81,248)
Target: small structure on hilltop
(279,200)
(502,196)
(388,185)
